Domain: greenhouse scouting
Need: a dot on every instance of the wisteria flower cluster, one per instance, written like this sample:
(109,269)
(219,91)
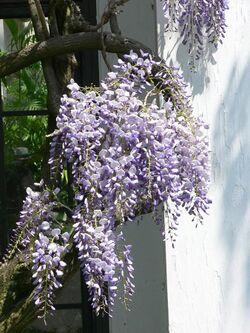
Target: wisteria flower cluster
(128,155)
(37,207)
(199,22)
(49,249)
(38,240)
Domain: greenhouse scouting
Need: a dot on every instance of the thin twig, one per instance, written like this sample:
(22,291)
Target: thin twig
(110,8)
(114,27)
(103,51)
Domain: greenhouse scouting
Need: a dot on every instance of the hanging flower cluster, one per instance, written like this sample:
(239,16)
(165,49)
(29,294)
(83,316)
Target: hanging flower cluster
(49,249)
(38,240)
(199,22)
(127,155)
(37,207)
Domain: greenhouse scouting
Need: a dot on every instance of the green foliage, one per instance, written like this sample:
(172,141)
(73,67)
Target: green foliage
(24,90)
(29,132)
(21,34)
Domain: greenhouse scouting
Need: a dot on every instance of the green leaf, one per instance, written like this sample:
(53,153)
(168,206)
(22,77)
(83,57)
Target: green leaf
(13,27)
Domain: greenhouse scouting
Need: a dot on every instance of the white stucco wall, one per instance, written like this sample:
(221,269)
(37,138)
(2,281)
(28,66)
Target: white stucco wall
(208,272)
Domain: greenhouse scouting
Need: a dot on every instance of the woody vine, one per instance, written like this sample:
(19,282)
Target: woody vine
(126,154)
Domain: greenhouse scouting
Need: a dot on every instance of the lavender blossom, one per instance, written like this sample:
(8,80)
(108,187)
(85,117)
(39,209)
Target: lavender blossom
(199,22)
(50,247)
(37,207)
(40,240)
(128,155)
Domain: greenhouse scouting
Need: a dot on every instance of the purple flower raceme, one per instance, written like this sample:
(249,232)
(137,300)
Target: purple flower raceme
(199,22)
(128,155)
(96,243)
(49,249)
(39,237)
(37,207)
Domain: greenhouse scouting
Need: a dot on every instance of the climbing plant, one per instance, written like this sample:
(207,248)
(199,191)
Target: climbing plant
(122,148)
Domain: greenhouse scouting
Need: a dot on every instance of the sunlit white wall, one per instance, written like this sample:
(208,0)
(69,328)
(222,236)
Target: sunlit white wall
(208,273)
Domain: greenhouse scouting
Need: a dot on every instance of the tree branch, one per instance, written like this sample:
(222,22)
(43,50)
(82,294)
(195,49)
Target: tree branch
(13,62)
(42,34)
(38,20)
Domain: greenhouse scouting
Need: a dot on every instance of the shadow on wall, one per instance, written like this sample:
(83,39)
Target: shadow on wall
(198,77)
(231,141)
(169,43)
